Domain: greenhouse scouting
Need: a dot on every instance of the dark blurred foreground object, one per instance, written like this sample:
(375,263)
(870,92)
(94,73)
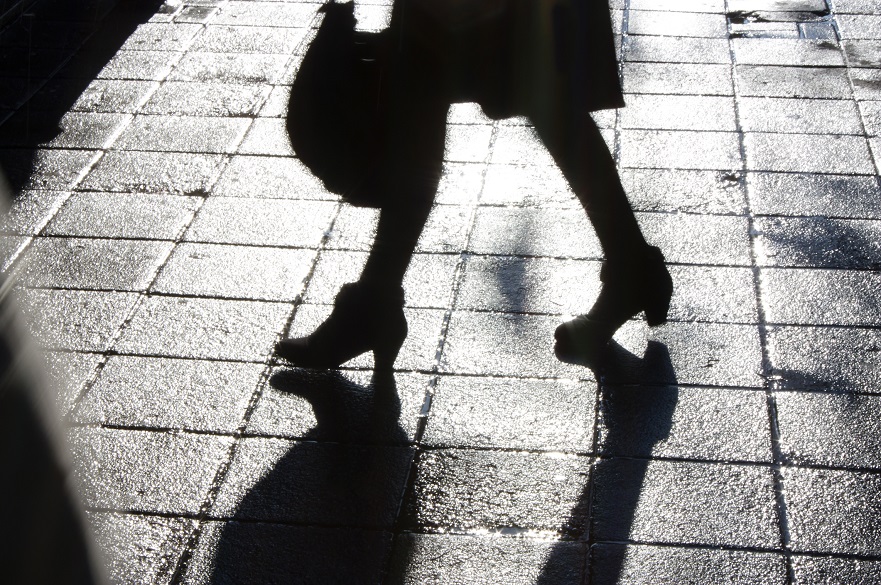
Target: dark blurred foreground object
(44,538)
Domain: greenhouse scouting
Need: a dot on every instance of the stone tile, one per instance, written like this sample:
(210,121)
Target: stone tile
(72,130)
(687,191)
(777,5)
(143,471)
(856,7)
(270,177)
(75,320)
(123,215)
(170,394)
(859,26)
(44,169)
(677,78)
(821,297)
(467,143)
(195,14)
(684,502)
(526,231)
(682,24)
(698,239)
(267,222)
(504,344)
(819,242)
(714,294)
(794,116)
(676,50)
(243,272)
(791,52)
(252,552)
(839,429)
(427,282)
(767,30)
(267,136)
(93,264)
(793,82)
(448,558)
(685,353)
(183,98)
(203,328)
(340,406)
(808,153)
(420,348)
(527,285)
(463,490)
(834,358)
(353,229)
(519,145)
(866,83)
(671,112)
(69,372)
(372,17)
(539,186)
(249,39)
(679,5)
(709,424)
(241,68)
(871,116)
(550,415)
(446,229)
(29,211)
(644,565)
(314,483)
(811,569)
(140,65)
(813,194)
(467,113)
(183,134)
(141,548)
(862,53)
(460,184)
(276,105)
(154,172)
(832,511)
(680,149)
(153,36)
(246,13)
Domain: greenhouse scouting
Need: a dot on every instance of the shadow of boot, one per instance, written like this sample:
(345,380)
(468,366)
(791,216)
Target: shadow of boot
(315,510)
(637,399)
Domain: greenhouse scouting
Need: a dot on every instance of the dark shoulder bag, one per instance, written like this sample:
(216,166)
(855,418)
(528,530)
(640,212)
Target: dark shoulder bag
(336,105)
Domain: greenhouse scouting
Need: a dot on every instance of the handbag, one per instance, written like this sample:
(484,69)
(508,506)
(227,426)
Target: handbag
(336,114)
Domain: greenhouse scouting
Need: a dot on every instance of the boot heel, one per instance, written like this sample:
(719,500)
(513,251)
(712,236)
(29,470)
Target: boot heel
(656,314)
(384,356)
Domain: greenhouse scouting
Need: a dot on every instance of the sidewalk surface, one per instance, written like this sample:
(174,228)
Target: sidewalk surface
(167,237)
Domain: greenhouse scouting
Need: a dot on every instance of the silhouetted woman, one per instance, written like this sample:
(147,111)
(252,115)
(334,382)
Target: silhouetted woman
(553,61)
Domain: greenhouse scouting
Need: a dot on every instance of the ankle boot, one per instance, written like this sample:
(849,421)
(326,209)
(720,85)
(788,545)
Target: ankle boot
(641,283)
(363,319)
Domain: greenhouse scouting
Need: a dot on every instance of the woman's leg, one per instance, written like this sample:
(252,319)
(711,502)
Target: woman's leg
(580,151)
(634,276)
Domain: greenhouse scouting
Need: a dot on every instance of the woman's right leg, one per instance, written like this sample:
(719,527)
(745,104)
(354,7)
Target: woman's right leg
(634,276)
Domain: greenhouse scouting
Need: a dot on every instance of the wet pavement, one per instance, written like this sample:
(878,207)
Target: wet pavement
(164,237)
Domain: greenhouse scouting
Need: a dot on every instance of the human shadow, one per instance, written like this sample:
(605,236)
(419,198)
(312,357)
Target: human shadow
(324,510)
(50,57)
(637,399)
